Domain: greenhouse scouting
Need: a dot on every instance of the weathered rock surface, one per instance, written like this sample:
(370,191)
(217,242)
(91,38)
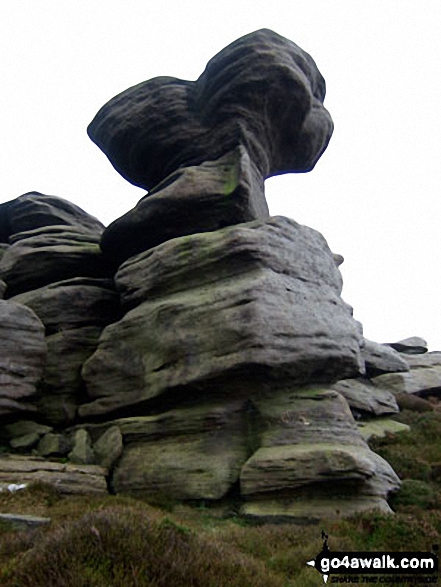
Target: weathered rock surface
(81,452)
(26,442)
(243,304)
(262,92)
(312,454)
(420,381)
(67,478)
(432,359)
(22,356)
(364,398)
(34,210)
(24,427)
(108,448)
(61,386)
(73,303)
(195,199)
(193,453)
(53,445)
(410,346)
(50,254)
(380,358)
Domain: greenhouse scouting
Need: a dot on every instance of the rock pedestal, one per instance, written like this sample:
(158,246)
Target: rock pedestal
(198,348)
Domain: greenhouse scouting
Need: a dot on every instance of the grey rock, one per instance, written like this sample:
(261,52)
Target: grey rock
(81,452)
(432,359)
(312,454)
(380,358)
(66,477)
(246,303)
(191,200)
(73,303)
(161,455)
(3,287)
(34,210)
(61,387)
(51,254)
(25,442)
(366,398)
(10,406)
(413,345)
(24,522)
(24,427)
(262,92)
(53,445)
(423,381)
(109,447)
(22,356)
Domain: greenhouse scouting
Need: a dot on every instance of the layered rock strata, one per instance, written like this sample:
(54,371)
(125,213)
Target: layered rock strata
(250,303)
(53,264)
(197,348)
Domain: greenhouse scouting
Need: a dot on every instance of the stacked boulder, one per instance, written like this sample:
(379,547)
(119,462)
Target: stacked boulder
(197,348)
(219,374)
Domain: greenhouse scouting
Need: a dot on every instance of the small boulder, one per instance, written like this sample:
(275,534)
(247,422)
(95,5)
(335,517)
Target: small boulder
(81,452)
(413,345)
(109,447)
(380,358)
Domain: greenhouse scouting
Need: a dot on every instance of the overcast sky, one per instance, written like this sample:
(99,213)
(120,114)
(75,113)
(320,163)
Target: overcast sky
(374,194)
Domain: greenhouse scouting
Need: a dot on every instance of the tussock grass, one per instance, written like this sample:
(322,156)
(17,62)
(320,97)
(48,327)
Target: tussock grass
(120,546)
(115,541)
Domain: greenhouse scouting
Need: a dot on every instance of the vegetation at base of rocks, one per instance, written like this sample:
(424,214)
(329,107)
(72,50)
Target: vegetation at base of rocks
(102,541)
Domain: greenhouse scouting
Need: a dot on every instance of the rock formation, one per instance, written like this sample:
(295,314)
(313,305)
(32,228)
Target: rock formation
(197,348)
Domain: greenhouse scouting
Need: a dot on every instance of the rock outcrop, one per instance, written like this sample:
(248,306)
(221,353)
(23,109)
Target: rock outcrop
(65,477)
(198,348)
(53,264)
(250,303)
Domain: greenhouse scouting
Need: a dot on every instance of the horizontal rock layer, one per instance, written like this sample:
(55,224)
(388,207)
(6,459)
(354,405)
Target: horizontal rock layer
(50,254)
(225,309)
(66,478)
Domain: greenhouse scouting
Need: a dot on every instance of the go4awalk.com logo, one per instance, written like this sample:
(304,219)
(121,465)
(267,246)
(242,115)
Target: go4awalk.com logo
(395,568)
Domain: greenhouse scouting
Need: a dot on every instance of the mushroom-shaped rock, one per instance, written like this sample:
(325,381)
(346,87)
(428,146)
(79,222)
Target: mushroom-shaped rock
(262,92)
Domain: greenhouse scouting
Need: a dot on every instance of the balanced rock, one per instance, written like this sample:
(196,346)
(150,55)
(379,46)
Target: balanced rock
(243,304)
(22,357)
(262,92)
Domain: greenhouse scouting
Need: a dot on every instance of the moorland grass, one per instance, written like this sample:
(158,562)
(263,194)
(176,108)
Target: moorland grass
(115,541)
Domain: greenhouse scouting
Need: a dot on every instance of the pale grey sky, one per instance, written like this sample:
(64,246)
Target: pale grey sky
(374,194)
